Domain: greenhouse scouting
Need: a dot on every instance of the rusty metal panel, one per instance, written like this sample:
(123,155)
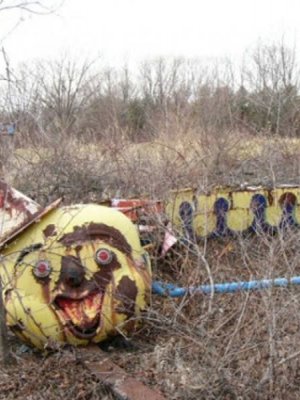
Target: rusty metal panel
(123,385)
(148,215)
(17,212)
(136,209)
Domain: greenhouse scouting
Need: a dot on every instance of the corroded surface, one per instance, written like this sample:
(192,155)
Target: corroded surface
(229,212)
(58,289)
(15,210)
(18,212)
(80,273)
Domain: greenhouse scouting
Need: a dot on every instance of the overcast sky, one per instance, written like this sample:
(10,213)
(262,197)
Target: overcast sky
(134,30)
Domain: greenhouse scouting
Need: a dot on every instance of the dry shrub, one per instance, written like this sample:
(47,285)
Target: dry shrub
(228,346)
(92,171)
(57,376)
(68,168)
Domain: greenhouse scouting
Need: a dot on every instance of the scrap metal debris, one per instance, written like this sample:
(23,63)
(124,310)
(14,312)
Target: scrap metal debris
(77,276)
(124,386)
(80,274)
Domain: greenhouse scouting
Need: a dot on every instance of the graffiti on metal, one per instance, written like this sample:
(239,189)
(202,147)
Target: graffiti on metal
(227,212)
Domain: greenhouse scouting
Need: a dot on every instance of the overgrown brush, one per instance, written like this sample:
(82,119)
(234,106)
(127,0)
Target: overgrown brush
(231,346)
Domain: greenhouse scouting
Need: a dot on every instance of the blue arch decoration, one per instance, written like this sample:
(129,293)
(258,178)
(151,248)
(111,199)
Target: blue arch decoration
(258,205)
(221,208)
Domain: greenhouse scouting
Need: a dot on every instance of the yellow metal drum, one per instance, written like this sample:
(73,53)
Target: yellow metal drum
(77,276)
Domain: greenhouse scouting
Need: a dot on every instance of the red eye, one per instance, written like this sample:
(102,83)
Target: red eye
(42,269)
(103,256)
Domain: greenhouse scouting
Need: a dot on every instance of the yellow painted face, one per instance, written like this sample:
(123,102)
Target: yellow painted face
(79,276)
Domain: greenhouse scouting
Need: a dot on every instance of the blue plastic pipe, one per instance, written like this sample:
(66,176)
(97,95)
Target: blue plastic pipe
(171,290)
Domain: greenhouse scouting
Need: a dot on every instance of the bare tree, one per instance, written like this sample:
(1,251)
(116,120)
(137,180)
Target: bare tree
(63,92)
(40,7)
(271,78)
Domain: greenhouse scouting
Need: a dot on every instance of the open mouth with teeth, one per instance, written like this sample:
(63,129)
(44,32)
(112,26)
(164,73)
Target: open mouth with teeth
(81,315)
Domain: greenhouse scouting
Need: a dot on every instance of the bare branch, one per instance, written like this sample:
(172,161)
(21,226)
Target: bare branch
(32,7)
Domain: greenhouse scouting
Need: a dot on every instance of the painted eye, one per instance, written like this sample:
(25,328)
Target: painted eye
(103,256)
(42,269)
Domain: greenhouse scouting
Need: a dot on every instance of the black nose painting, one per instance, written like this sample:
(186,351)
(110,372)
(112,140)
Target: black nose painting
(72,271)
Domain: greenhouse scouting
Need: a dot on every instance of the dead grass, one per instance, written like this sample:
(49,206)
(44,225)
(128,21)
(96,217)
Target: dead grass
(233,346)
(91,171)
(228,346)
(61,375)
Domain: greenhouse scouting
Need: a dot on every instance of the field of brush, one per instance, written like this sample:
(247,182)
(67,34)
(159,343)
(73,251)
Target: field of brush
(226,346)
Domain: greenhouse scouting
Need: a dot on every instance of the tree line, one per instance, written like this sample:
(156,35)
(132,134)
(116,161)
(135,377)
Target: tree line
(87,100)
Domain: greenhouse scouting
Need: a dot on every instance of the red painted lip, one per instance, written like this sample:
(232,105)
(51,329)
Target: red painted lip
(82,315)
(84,333)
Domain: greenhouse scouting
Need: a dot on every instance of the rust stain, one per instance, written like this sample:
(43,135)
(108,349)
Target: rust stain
(1,199)
(78,250)
(15,227)
(18,327)
(94,231)
(137,208)
(50,230)
(104,276)
(46,290)
(287,198)
(126,292)
(11,201)
(270,197)
(230,197)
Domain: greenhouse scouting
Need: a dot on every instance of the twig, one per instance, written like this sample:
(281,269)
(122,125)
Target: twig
(4,354)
